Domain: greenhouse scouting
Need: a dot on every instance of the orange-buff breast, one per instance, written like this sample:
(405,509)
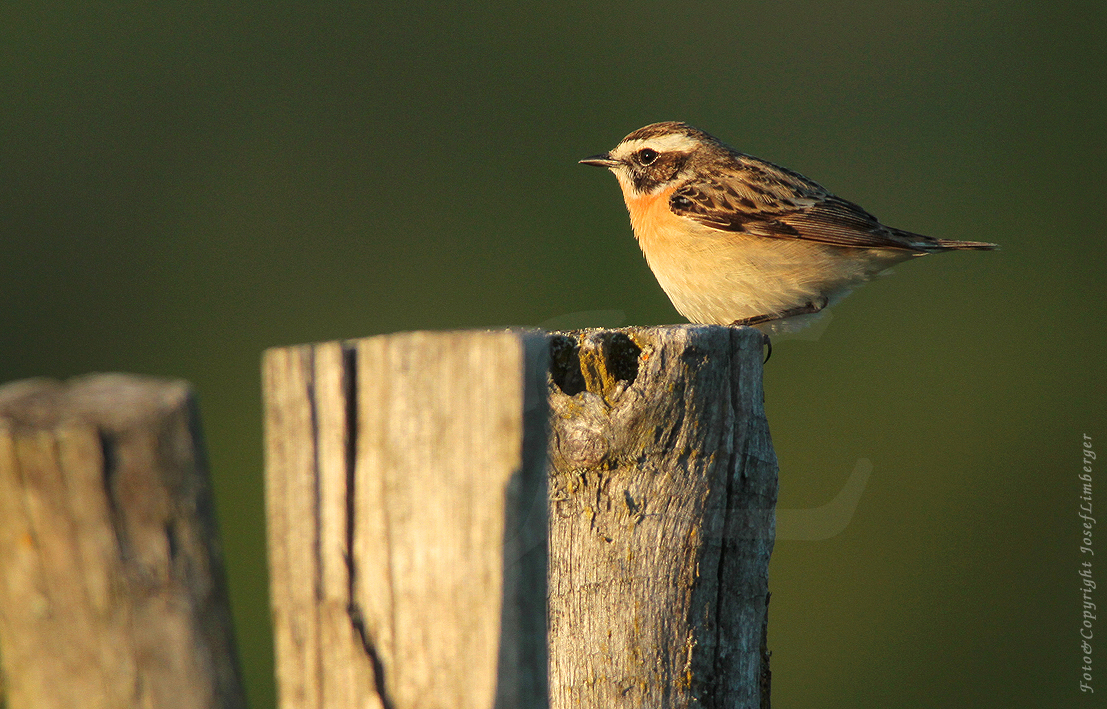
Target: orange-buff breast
(650,213)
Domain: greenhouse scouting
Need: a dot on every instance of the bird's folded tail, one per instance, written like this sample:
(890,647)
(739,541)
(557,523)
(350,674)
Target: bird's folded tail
(944,244)
(928,244)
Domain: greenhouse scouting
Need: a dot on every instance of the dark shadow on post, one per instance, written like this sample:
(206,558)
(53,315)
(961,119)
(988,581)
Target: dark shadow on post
(523,656)
(405,490)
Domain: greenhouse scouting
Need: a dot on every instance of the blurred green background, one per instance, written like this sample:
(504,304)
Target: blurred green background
(186,184)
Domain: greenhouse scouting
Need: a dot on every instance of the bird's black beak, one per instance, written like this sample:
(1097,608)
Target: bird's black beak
(601,160)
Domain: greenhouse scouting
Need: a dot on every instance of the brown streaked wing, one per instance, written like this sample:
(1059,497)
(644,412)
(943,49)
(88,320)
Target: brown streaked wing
(830,220)
(724,204)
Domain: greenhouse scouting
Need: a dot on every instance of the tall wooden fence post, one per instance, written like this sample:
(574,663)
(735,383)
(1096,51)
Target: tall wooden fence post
(111,583)
(662,490)
(406,499)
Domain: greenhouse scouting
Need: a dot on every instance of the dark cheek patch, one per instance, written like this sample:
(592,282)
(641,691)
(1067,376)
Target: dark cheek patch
(667,165)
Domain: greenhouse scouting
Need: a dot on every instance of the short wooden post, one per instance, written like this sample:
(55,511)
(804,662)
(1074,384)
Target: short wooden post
(111,583)
(406,499)
(662,489)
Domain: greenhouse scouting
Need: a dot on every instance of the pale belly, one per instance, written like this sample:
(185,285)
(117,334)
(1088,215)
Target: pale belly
(719,277)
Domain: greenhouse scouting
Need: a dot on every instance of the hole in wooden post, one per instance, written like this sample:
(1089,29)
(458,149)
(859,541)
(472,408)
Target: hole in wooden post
(565,364)
(622,358)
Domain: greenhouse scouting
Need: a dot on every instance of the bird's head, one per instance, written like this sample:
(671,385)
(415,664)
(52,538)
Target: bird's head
(652,158)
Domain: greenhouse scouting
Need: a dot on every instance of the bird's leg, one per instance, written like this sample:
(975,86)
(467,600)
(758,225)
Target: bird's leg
(812,306)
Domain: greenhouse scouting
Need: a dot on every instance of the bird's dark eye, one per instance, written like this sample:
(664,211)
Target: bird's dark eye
(646,156)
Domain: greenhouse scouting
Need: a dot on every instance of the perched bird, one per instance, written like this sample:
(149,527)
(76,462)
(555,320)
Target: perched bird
(734,240)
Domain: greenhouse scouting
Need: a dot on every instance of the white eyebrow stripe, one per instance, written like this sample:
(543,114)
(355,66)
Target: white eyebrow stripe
(674,142)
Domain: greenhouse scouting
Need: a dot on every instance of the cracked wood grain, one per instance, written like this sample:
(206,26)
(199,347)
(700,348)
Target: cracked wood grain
(405,493)
(112,591)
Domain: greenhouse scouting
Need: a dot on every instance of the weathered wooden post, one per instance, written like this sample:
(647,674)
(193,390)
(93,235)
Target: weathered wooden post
(111,583)
(406,493)
(662,490)
(406,497)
